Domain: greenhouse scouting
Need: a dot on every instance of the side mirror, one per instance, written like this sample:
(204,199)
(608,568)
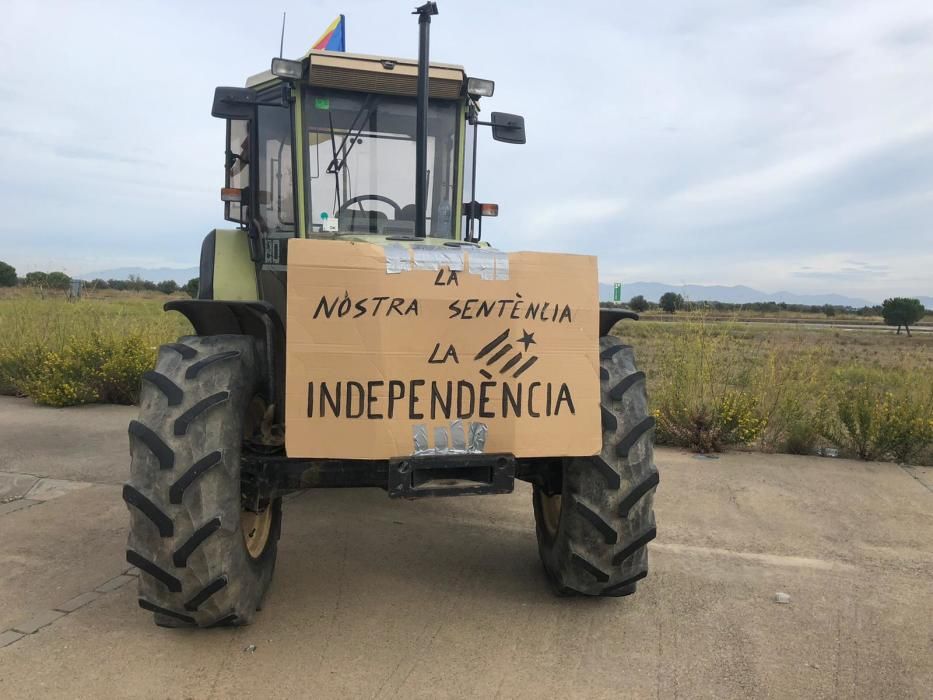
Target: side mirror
(234,103)
(508,128)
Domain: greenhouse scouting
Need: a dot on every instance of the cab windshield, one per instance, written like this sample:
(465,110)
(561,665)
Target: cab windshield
(361,163)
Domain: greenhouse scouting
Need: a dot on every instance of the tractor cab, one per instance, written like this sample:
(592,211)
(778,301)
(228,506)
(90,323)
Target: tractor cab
(328,146)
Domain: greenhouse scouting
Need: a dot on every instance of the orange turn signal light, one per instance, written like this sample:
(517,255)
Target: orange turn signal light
(231,194)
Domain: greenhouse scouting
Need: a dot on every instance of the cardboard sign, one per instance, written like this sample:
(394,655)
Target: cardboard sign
(400,350)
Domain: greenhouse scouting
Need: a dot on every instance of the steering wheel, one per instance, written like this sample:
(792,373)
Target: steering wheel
(378,197)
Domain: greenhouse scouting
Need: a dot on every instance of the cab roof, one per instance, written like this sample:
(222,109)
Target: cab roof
(379,74)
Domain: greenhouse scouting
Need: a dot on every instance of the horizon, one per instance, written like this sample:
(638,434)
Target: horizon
(182,274)
(775,147)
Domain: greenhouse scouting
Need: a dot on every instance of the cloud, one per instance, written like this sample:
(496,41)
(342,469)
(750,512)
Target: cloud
(737,142)
(576,211)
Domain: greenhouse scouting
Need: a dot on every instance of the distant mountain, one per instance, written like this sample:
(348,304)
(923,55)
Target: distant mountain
(652,291)
(152,274)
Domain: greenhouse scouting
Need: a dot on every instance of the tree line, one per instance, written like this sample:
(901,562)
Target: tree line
(60,280)
(896,311)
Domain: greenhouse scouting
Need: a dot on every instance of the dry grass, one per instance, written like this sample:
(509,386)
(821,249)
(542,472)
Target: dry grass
(748,342)
(787,388)
(42,335)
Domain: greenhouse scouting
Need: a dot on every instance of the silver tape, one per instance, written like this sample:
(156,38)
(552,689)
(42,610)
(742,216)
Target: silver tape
(420,436)
(457,436)
(452,441)
(427,257)
(477,442)
(483,263)
(502,265)
(397,259)
(440,439)
(451,258)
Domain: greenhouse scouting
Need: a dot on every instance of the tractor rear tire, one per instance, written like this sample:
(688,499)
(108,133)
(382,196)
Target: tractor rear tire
(187,516)
(593,531)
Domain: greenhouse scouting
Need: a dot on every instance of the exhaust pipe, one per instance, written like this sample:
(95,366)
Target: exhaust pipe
(425,12)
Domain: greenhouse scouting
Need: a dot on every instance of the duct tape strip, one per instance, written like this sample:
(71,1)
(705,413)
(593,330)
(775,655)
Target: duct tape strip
(483,263)
(477,441)
(451,258)
(440,439)
(398,259)
(457,436)
(452,441)
(427,258)
(502,265)
(420,436)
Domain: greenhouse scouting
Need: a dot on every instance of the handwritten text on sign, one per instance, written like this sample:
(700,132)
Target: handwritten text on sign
(372,354)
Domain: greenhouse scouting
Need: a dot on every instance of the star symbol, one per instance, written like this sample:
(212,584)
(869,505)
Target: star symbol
(527,338)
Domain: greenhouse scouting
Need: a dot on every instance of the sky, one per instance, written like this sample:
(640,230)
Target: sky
(779,144)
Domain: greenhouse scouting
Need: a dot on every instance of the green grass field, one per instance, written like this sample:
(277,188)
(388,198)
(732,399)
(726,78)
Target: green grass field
(713,383)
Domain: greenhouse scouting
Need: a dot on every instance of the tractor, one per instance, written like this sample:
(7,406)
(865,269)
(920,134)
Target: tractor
(343,167)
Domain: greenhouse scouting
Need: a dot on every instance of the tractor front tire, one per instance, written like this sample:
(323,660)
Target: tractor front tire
(593,529)
(205,558)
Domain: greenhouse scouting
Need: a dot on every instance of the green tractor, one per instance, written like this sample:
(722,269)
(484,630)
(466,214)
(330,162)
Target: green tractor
(328,159)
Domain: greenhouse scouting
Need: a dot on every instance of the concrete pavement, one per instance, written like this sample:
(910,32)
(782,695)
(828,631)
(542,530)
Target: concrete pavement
(445,598)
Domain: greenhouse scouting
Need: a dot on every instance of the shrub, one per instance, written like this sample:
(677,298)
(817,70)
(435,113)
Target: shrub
(61,354)
(7,275)
(800,437)
(167,286)
(731,420)
(862,416)
(90,369)
(699,394)
(192,287)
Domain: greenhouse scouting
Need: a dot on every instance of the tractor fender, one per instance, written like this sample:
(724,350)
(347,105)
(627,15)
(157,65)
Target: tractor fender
(258,319)
(227,269)
(610,317)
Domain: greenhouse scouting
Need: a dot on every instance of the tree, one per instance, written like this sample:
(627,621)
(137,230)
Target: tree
(37,279)
(135,282)
(901,311)
(58,280)
(194,284)
(7,275)
(167,286)
(670,302)
(829,309)
(638,303)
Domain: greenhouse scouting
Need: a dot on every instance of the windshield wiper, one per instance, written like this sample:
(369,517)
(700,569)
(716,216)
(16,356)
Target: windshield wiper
(337,164)
(331,168)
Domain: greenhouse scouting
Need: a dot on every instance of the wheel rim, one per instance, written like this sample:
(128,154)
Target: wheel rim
(255,526)
(550,512)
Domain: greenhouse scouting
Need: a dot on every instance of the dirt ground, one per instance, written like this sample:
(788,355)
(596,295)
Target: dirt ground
(445,598)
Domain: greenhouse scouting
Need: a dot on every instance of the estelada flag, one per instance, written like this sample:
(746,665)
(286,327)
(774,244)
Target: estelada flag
(334,38)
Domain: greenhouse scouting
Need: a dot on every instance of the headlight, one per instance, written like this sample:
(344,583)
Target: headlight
(284,68)
(477,87)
